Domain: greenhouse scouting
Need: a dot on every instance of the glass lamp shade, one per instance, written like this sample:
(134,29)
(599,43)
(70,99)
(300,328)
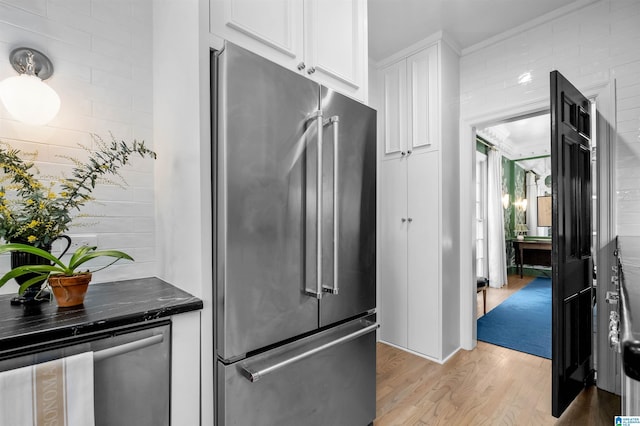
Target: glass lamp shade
(505,201)
(29,99)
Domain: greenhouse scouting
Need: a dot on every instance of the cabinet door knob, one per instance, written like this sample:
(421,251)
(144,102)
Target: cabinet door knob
(410,220)
(301,66)
(311,70)
(403,220)
(409,152)
(403,153)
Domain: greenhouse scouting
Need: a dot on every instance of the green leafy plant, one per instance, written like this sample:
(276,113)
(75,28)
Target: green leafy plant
(36,211)
(57,267)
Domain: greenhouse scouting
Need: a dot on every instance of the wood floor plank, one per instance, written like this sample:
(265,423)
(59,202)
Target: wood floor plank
(489,385)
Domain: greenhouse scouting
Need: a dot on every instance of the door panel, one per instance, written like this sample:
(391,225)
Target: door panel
(260,198)
(571,254)
(395,108)
(393,260)
(355,192)
(423,254)
(274,29)
(422,78)
(333,40)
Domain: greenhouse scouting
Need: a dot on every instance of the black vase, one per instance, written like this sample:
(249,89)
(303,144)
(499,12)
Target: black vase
(33,294)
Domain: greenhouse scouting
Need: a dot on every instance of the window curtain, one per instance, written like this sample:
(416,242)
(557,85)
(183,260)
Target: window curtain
(497,252)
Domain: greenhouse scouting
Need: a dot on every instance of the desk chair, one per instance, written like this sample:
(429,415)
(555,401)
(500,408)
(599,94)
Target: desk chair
(483,284)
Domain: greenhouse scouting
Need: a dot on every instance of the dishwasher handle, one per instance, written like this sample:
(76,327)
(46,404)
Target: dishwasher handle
(127,347)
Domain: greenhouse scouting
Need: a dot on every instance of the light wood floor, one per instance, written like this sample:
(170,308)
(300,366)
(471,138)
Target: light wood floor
(489,385)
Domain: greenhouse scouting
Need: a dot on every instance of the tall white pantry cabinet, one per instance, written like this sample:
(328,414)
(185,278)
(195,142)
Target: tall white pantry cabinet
(419,214)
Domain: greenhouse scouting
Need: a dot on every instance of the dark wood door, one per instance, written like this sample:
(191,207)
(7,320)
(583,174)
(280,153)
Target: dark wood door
(572,367)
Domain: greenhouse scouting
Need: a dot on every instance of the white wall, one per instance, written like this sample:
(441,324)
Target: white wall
(590,47)
(181,99)
(450,197)
(101,53)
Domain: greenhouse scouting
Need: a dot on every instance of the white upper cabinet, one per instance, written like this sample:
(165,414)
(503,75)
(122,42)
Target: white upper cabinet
(410,102)
(335,44)
(270,28)
(325,40)
(422,91)
(394,94)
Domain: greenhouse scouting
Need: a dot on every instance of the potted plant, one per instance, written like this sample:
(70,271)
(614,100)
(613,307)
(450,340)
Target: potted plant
(37,210)
(68,283)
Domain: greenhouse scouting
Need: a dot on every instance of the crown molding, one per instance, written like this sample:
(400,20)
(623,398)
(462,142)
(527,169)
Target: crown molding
(410,50)
(543,19)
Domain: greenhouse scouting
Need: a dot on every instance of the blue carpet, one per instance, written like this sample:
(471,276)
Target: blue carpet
(523,321)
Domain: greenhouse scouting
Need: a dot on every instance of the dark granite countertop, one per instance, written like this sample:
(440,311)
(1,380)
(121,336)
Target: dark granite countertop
(106,305)
(630,305)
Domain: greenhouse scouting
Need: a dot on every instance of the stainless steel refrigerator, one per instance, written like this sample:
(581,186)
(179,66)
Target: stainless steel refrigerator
(294,175)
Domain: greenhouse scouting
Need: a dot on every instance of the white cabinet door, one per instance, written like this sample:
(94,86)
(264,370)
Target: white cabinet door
(393,252)
(410,102)
(270,28)
(335,43)
(422,91)
(324,39)
(424,254)
(394,105)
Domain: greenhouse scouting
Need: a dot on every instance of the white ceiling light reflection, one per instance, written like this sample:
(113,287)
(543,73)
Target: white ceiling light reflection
(525,78)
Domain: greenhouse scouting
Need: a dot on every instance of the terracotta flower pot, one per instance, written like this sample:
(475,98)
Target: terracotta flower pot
(69,291)
(33,294)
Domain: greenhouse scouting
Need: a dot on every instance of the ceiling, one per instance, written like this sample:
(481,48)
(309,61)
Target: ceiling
(527,140)
(396,24)
(523,138)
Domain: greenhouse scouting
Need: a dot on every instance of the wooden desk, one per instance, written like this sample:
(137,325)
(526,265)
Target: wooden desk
(532,253)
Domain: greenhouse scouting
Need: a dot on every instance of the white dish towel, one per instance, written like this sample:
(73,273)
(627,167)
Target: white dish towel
(58,392)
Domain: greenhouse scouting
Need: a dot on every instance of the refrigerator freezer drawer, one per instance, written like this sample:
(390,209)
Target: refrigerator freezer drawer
(325,379)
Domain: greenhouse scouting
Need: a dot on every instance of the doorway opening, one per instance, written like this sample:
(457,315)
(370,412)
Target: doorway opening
(513,239)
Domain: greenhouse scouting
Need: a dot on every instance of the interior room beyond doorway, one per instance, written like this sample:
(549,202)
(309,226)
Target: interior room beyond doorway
(513,201)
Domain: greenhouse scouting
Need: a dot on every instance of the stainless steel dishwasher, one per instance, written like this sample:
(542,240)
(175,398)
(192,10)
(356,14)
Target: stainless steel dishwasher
(131,371)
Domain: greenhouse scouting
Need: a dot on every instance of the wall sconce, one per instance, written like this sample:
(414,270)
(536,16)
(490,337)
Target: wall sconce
(26,96)
(505,201)
(521,205)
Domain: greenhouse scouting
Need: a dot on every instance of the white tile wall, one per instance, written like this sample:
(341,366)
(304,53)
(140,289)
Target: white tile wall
(102,55)
(589,47)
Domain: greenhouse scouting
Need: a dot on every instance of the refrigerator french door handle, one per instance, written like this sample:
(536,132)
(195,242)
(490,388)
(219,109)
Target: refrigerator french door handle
(254,375)
(335,121)
(317,293)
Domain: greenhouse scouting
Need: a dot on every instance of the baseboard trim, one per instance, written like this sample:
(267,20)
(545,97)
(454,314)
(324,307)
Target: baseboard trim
(421,355)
